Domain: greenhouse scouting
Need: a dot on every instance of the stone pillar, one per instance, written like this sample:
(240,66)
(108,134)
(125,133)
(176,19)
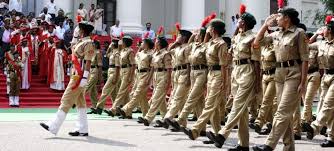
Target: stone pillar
(192,13)
(129,14)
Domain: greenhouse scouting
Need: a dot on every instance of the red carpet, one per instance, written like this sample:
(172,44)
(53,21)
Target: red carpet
(38,96)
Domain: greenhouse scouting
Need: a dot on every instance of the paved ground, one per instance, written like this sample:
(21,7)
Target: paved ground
(21,133)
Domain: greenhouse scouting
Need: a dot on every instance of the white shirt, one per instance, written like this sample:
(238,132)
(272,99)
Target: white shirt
(6,36)
(82,12)
(115,31)
(15,4)
(150,36)
(60,32)
(47,17)
(52,8)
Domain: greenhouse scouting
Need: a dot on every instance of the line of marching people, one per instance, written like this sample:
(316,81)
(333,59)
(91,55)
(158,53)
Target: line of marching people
(218,79)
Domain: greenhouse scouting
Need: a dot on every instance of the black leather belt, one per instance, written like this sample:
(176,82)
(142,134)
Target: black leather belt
(181,67)
(126,66)
(160,69)
(94,66)
(269,72)
(112,66)
(214,67)
(329,71)
(199,67)
(143,70)
(288,63)
(312,70)
(242,62)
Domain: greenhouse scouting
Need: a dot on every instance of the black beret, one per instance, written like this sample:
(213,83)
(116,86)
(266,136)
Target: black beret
(218,25)
(86,26)
(185,33)
(249,19)
(127,40)
(149,42)
(163,42)
(292,14)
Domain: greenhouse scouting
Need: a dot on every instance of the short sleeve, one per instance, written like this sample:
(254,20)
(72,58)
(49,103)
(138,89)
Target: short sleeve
(314,46)
(223,54)
(303,46)
(255,53)
(89,51)
(168,61)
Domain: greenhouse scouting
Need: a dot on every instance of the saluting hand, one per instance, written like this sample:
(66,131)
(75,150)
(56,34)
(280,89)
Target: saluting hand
(271,20)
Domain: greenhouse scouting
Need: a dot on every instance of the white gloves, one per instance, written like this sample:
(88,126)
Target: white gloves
(83,81)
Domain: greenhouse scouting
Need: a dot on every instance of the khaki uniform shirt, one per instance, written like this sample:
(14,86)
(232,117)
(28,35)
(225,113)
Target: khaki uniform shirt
(114,57)
(143,59)
(268,60)
(127,57)
(325,53)
(97,59)
(180,55)
(197,54)
(161,59)
(242,47)
(85,49)
(289,45)
(217,53)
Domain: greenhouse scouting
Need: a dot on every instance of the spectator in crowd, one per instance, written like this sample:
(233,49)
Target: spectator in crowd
(116,30)
(149,30)
(82,11)
(45,16)
(98,20)
(234,24)
(3,7)
(5,33)
(60,31)
(52,8)
(15,5)
(60,17)
(68,35)
(91,13)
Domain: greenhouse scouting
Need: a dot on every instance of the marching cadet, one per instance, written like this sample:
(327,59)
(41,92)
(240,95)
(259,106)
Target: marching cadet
(216,60)
(14,66)
(268,105)
(127,63)
(325,115)
(162,66)
(245,78)
(82,56)
(142,82)
(113,75)
(198,77)
(180,51)
(291,51)
(95,75)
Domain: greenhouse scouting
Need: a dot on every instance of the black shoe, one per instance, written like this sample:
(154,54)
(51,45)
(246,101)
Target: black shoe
(76,133)
(189,133)
(92,111)
(309,130)
(173,123)
(219,141)
(208,142)
(298,137)
(194,118)
(121,112)
(175,130)
(211,136)
(162,124)
(222,123)
(256,127)
(109,112)
(46,127)
(265,131)
(202,133)
(251,120)
(143,120)
(139,121)
(327,143)
(262,148)
(323,131)
(99,111)
(239,148)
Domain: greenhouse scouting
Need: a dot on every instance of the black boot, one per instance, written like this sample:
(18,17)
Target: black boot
(173,123)
(327,143)
(309,130)
(77,133)
(262,148)
(239,148)
(99,111)
(109,112)
(189,133)
(92,111)
(143,120)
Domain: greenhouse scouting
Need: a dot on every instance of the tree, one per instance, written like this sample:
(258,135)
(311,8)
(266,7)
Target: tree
(321,14)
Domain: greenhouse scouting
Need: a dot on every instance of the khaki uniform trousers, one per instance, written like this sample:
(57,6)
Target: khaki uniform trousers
(313,84)
(91,86)
(195,100)
(297,129)
(325,116)
(287,82)
(180,93)
(71,97)
(123,92)
(224,110)
(269,93)
(107,88)
(243,81)
(139,94)
(158,99)
(254,104)
(212,104)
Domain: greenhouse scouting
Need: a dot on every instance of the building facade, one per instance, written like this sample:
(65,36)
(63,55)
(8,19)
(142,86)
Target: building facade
(133,14)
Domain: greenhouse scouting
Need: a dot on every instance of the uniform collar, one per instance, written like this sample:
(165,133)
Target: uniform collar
(290,29)
(244,33)
(161,50)
(330,42)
